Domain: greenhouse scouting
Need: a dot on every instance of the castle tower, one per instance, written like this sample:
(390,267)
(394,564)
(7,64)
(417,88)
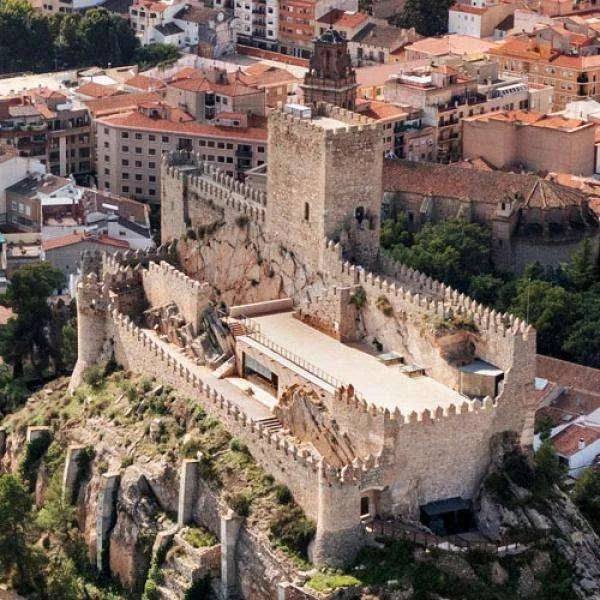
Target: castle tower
(330,77)
(324,181)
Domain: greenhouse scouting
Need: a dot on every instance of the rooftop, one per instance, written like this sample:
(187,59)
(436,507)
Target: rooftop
(341,18)
(145,83)
(566,442)
(382,36)
(136,120)
(451,44)
(77,238)
(533,119)
(491,187)
(97,90)
(357,364)
(120,103)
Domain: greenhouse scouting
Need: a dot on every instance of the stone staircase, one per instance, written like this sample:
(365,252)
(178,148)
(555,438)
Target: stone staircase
(271,424)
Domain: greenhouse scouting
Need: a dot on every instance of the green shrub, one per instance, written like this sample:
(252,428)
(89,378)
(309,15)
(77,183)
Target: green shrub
(199,537)
(283,494)
(291,528)
(126,461)
(240,504)
(94,375)
(33,454)
(238,446)
(150,590)
(102,467)
(328,582)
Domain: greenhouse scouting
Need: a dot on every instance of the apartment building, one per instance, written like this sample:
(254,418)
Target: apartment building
(50,126)
(257,23)
(130,146)
(404,135)
(531,140)
(564,56)
(205,94)
(478,18)
(446,95)
(279,85)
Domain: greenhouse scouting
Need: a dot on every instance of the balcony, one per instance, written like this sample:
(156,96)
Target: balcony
(458,101)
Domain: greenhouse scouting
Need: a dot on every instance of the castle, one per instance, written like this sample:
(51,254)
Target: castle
(367,388)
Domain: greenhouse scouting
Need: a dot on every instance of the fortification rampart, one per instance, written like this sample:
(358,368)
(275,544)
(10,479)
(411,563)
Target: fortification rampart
(163,283)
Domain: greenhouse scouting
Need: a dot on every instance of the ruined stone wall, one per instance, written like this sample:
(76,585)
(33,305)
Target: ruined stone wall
(162,283)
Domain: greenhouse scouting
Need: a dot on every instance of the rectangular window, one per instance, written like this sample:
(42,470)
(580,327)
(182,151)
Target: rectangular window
(203,142)
(151,178)
(220,145)
(151,165)
(138,164)
(124,148)
(165,139)
(138,136)
(125,189)
(138,177)
(124,134)
(152,192)
(138,150)
(152,151)
(152,137)
(138,190)
(125,162)
(125,175)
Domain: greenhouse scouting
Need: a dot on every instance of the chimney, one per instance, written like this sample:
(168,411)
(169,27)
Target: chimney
(581,443)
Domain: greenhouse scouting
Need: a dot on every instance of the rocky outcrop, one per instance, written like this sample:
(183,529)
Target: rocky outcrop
(568,531)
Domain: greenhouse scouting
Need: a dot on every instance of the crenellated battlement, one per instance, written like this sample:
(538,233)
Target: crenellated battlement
(354,122)
(425,294)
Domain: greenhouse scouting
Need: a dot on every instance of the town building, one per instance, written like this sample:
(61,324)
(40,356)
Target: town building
(404,135)
(50,126)
(563,56)
(130,146)
(531,218)
(446,95)
(257,23)
(377,43)
(441,48)
(330,77)
(280,86)
(478,18)
(577,443)
(530,140)
(205,94)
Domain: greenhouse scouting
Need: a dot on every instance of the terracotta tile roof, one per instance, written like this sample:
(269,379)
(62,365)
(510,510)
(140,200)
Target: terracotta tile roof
(261,75)
(489,187)
(381,36)
(76,238)
(199,13)
(380,110)
(187,73)
(234,86)
(151,6)
(7,152)
(145,83)
(451,44)
(97,90)
(566,442)
(567,373)
(467,8)
(45,111)
(340,18)
(120,103)
(534,119)
(230,115)
(136,120)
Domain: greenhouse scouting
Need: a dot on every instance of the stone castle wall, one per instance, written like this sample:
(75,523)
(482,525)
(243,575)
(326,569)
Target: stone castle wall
(162,283)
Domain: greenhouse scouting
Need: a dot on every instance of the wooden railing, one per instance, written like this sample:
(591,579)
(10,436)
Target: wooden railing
(454,543)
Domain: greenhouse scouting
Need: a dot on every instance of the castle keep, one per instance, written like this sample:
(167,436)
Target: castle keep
(367,388)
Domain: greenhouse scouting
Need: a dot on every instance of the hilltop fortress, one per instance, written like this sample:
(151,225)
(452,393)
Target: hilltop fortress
(367,388)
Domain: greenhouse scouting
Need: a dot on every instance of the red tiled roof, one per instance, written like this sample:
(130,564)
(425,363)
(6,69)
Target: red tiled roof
(76,238)
(451,44)
(97,90)
(567,441)
(120,103)
(231,88)
(340,18)
(136,120)
(379,110)
(143,82)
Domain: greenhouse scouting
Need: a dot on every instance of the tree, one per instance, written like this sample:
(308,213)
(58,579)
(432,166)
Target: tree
(151,55)
(58,514)
(428,17)
(549,308)
(583,270)
(451,251)
(548,469)
(582,343)
(15,517)
(586,494)
(25,336)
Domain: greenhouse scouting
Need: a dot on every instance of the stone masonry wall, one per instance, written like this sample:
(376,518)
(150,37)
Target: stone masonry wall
(163,283)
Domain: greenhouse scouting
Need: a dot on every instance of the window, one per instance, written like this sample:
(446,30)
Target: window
(107,171)
(220,159)
(152,192)
(220,145)
(152,151)
(203,142)
(152,137)
(125,175)
(138,177)
(138,136)
(210,158)
(229,159)
(306,211)
(151,165)
(124,134)
(229,146)
(106,158)
(124,148)
(106,185)
(151,178)
(138,150)
(138,164)
(211,144)
(125,189)
(106,144)
(165,139)
(261,148)
(138,190)
(125,162)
